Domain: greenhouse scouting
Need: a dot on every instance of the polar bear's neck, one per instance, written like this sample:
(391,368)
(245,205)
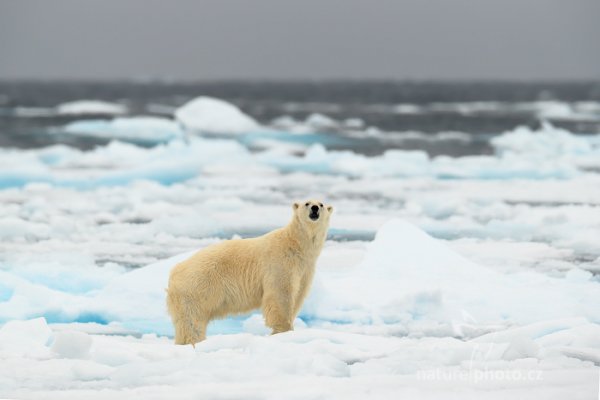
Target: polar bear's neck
(309,238)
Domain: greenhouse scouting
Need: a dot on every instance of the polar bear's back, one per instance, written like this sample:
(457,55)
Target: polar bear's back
(225,276)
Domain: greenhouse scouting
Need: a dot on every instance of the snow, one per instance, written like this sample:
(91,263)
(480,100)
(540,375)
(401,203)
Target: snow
(25,338)
(140,129)
(390,289)
(211,115)
(463,277)
(97,107)
(300,364)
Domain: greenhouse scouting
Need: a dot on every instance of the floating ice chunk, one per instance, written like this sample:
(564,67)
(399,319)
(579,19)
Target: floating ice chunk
(286,122)
(588,107)
(33,112)
(289,124)
(320,121)
(91,107)
(548,141)
(318,160)
(134,129)
(277,146)
(210,115)
(508,166)
(558,110)
(408,109)
(550,109)
(314,123)
(354,123)
(521,154)
(72,344)
(547,146)
(117,163)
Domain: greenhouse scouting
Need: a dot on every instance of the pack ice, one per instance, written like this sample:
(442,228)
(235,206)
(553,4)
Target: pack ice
(412,314)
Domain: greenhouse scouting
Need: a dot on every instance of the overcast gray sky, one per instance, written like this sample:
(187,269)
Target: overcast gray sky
(280,39)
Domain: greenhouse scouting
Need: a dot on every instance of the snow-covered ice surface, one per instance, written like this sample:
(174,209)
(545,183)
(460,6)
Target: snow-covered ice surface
(467,277)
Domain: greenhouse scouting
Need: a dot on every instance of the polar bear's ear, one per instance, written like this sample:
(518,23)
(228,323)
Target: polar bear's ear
(330,209)
(295,206)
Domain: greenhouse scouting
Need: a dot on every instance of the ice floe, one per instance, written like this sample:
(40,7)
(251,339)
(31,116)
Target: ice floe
(521,154)
(407,280)
(466,275)
(96,107)
(211,115)
(141,129)
(462,326)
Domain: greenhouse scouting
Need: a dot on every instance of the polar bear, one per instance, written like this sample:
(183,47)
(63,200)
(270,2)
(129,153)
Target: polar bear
(273,272)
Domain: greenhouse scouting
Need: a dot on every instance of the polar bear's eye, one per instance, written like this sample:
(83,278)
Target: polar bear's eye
(307,204)
(321,205)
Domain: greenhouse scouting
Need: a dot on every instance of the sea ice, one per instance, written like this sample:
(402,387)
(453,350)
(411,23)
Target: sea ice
(320,122)
(210,115)
(436,279)
(393,285)
(91,107)
(142,129)
(305,363)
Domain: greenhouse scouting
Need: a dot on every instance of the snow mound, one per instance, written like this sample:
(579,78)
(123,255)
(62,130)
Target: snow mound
(408,281)
(211,115)
(96,107)
(416,282)
(25,337)
(134,129)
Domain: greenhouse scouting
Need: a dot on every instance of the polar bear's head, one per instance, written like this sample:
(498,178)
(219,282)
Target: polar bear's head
(313,212)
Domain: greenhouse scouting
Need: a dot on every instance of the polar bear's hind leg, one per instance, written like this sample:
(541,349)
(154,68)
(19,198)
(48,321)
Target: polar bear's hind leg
(188,320)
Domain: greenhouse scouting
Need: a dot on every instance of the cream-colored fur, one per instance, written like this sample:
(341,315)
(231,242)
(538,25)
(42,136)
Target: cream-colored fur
(273,271)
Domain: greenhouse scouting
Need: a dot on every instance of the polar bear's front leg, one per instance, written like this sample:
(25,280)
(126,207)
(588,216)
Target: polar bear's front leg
(277,310)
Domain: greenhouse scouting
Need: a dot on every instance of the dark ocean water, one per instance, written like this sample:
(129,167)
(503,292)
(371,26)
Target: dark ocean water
(480,110)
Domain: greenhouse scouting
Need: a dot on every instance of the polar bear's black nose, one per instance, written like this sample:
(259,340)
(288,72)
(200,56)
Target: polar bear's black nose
(314,209)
